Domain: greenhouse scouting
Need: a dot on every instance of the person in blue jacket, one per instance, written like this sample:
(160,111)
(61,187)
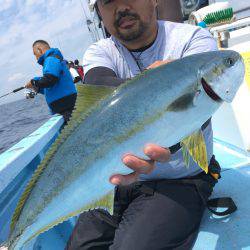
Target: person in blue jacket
(56,83)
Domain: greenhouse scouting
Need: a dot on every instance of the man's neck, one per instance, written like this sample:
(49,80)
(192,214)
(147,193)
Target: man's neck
(144,42)
(142,48)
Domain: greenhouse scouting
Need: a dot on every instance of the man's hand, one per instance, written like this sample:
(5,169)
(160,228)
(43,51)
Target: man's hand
(3,248)
(28,85)
(158,63)
(141,166)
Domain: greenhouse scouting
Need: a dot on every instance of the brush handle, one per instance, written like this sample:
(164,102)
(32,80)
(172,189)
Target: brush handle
(198,16)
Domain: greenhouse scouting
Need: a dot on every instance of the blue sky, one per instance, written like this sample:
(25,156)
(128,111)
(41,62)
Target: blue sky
(60,22)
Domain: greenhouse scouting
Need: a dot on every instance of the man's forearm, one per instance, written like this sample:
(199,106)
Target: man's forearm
(103,76)
(46,81)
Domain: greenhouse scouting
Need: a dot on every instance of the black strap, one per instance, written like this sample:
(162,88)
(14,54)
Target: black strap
(173,149)
(225,202)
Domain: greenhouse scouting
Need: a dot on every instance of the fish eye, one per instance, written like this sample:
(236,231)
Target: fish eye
(229,62)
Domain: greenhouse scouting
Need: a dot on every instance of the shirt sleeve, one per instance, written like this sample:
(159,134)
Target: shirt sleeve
(201,41)
(97,56)
(103,76)
(39,90)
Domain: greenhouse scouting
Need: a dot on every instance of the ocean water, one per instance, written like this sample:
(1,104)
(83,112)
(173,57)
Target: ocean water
(21,118)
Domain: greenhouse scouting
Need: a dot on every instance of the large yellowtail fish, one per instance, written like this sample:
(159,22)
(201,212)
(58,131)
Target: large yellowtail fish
(163,106)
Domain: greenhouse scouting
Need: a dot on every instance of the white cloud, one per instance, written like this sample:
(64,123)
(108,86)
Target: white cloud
(6,4)
(16,77)
(34,2)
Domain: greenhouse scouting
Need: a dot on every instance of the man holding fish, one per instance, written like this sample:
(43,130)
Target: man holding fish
(150,212)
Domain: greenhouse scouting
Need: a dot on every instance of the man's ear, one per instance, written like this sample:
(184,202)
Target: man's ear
(39,50)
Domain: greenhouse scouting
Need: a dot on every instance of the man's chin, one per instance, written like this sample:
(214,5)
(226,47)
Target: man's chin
(129,35)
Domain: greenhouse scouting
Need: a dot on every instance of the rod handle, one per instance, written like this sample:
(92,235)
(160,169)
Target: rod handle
(18,89)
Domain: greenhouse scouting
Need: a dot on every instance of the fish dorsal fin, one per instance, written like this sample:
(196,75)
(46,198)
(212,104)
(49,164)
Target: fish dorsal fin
(195,146)
(88,97)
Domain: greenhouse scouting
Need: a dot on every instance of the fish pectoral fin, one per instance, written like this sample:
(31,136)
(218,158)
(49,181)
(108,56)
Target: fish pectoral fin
(195,146)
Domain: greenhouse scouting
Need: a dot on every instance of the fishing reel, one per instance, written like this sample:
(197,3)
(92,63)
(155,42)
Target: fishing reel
(30,94)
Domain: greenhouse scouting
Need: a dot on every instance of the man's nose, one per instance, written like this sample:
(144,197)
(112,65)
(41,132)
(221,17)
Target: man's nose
(123,5)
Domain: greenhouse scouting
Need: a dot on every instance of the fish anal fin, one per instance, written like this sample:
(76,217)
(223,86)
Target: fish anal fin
(106,202)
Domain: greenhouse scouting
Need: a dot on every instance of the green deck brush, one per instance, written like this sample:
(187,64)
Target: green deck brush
(217,18)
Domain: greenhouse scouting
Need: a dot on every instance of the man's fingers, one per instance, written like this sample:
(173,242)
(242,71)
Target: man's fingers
(157,153)
(158,63)
(119,179)
(139,165)
(154,152)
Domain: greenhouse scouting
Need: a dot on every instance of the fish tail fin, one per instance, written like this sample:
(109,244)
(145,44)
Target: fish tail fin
(195,146)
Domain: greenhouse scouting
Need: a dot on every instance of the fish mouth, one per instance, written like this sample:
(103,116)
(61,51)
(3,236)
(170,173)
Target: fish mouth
(209,91)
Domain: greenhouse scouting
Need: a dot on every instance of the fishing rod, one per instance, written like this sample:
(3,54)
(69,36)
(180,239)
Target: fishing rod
(13,91)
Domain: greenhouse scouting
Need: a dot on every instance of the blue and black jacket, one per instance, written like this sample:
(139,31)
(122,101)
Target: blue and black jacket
(56,84)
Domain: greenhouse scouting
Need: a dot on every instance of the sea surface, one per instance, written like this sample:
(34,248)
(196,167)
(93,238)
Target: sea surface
(21,118)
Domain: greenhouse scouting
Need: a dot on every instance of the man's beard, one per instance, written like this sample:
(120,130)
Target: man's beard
(130,35)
